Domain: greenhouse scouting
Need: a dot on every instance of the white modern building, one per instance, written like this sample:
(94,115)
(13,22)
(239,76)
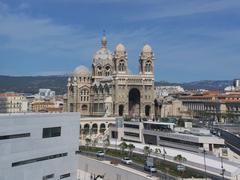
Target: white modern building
(39,146)
(45,93)
(163,91)
(165,134)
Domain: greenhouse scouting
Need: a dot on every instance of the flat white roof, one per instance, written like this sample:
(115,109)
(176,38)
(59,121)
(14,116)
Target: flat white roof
(160,123)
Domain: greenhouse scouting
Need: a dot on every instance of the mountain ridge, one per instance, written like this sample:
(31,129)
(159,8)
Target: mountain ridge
(58,83)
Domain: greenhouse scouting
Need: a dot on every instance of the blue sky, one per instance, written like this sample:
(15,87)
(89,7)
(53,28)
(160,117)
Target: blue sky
(191,39)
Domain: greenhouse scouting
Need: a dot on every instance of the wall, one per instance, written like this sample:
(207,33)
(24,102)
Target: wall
(34,146)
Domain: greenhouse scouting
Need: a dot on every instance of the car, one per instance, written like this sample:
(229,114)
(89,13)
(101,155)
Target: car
(100,154)
(149,168)
(126,160)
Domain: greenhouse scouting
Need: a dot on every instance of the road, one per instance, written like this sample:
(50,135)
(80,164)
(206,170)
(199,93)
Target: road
(134,165)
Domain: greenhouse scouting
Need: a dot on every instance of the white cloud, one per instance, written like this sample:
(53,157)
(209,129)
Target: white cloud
(43,35)
(176,8)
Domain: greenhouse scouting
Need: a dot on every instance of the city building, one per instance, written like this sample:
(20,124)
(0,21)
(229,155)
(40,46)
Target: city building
(167,134)
(39,146)
(234,87)
(45,94)
(212,105)
(47,105)
(11,102)
(163,91)
(110,89)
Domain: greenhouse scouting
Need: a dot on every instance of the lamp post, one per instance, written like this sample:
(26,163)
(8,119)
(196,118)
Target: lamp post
(223,170)
(205,167)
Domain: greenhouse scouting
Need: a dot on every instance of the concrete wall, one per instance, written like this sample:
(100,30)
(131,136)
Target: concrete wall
(88,166)
(34,146)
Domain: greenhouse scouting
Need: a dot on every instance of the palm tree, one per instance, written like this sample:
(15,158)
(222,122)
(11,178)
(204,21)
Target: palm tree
(123,146)
(94,142)
(147,151)
(87,142)
(106,143)
(158,151)
(130,147)
(179,158)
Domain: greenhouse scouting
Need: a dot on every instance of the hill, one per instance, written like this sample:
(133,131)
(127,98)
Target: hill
(31,84)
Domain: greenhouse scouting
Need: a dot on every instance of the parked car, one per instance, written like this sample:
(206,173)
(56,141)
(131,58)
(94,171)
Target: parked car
(150,168)
(100,154)
(126,160)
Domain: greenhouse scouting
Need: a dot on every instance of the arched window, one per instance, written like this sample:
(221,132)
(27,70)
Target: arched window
(106,89)
(107,71)
(121,66)
(99,71)
(148,66)
(84,95)
(84,107)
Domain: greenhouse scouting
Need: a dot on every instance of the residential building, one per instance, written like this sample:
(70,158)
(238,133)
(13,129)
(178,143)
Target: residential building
(11,102)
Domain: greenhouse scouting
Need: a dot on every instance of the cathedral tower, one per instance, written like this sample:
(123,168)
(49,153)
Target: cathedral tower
(146,60)
(120,60)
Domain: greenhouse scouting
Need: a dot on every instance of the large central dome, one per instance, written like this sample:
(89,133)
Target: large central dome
(103,56)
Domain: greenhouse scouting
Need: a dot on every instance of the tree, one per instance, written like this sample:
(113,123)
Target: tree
(87,142)
(158,151)
(94,142)
(106,143)
(179,158)
(131,147)
(123,146)
(147,151)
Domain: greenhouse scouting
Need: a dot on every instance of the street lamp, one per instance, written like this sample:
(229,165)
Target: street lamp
(205,167)
(223,170)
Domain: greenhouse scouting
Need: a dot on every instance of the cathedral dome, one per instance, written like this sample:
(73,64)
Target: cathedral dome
(147,49)
(103,55)
(81,71)
(120,48)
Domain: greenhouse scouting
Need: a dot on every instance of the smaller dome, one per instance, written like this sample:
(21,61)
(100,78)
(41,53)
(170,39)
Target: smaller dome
(120,48)
(147,49)
(81,71)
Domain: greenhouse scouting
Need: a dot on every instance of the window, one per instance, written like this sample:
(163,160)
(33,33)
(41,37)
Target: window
(99,71)
(84,95)
(48,177)
(84,107)
(131,126)
(131,134)
(148,67)
(65,176)
(121,66)
(51,132)
(13,136)
(107,71)
(20,163)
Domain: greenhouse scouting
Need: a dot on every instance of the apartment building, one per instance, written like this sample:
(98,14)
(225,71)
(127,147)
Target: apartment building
(13,103)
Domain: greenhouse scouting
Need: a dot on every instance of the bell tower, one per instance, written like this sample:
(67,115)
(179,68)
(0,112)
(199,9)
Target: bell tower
(146,60)
(120,60)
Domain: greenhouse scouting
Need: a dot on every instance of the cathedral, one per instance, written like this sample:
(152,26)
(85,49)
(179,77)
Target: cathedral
(109,88)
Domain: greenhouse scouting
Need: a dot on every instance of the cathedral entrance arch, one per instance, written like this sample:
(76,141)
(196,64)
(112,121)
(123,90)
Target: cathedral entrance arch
(134,102)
